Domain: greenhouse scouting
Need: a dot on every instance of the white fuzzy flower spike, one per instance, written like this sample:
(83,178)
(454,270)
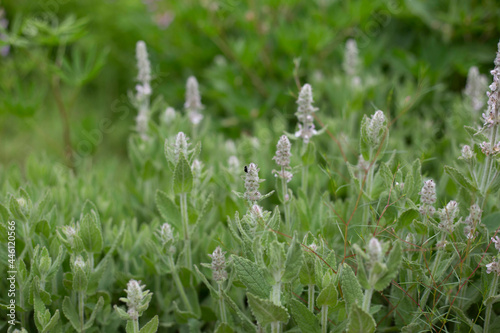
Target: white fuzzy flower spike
(305,114)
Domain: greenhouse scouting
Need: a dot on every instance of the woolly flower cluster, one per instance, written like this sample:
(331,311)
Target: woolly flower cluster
(475,88)
(351,61)
(252,183)
(282,158)
(472,221)
(143,89)
(375,128)
(137,299)
(467,153)
(219,273)
(447,216)
(305,114)
(181,145)
(144,76)
(494,266)
(428,198)
(193,101)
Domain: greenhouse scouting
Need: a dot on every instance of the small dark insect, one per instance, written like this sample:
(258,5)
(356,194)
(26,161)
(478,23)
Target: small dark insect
(246,169)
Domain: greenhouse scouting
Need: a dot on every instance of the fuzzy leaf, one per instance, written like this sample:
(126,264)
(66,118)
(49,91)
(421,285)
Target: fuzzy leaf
(360,321)
(304,318)
(168,209)
(151,326)
(350,287)
(406,218)
(293,261)
(266,311)
(224,328)
(245,322)
(90,234)
(460,179)
(393,263)
(252,276)
(328,296)
(89,322)
(183,177)
(70,313)
(52,323)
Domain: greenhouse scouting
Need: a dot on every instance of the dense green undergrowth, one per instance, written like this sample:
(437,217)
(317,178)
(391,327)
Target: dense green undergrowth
(269,193)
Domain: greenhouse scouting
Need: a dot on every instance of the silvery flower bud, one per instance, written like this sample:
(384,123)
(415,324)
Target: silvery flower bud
(493,267)
(375,249)
(193,101)
(181,146)
(475,88)
(168,116)
(376,128)
(305,114)
(144,67)
(282,157)
(166,233)
(351,61)
(428,198)
(496,241)
(447,216)
(488,149)
(467,153)
(219,273)
(80,263)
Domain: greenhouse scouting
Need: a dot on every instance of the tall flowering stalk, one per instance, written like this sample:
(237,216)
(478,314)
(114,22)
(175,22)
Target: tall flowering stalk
(193,104)
(282,158)
(306,124)
(492,267)
(491,117)
(143,90)
(351,62)
(475,88)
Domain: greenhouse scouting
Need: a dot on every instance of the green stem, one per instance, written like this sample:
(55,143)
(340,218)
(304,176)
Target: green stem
(81,310)
(185,224)
(493,291)
(324,319)
(222,306)
(136,325)
(178,284)
(305,170)
(367,299)
(310,297)
(286,206)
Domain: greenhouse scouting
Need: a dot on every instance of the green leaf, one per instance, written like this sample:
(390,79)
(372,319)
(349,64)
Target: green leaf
(4,214)
(350,287)
(80,281)
(309,155)
(360,321)
(52,323)
(406,218)
(168,210)
(393,263)
(223,328)
(70,313)
(460,179)
(246,323)
(293,262)
(252,276)
(386,175)
(90,234)
(183,177)
(150,327)
(328,296)
(97,308)
(492,222)
(304,318)
(266,311)
(213,292)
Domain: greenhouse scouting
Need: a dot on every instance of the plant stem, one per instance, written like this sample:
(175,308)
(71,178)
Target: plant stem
(136,325)
(276,299)
(286,206)
(367,299)
(493,291)
(310,297)
(185,224)
(81,310)
(222,306)
(324,319)
(178,284)
(305,170)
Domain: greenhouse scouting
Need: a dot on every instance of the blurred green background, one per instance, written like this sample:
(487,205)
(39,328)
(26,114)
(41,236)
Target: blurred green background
(242,53)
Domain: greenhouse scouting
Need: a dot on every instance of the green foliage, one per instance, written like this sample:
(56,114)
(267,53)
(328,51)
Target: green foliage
(92,204)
